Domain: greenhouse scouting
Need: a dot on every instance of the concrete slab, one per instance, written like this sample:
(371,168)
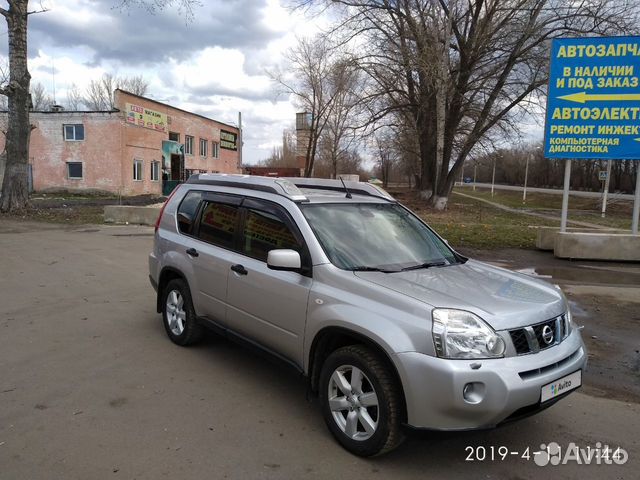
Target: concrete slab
(131,215)
(597,246)
(546,236)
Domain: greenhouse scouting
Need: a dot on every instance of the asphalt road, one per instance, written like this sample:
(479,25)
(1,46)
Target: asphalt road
(91,388)
(553,191)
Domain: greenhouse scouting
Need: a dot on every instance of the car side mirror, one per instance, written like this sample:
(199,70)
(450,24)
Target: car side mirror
(284,259)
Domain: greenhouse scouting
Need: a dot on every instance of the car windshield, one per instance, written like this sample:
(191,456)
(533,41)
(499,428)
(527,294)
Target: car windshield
(376,237)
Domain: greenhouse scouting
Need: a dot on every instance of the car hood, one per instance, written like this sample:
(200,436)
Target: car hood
(502,298)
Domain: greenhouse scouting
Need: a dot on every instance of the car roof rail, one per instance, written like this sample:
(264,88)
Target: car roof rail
(279,186)
(359,188)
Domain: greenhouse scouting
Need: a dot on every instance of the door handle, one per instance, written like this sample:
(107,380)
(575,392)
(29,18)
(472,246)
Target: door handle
(192,252)
(239,269)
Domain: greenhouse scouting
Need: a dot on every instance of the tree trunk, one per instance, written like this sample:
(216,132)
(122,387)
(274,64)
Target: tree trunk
(426,123)
(15,191)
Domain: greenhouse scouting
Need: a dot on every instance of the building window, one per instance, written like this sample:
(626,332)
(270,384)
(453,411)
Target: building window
(74,170)
(175,137)
(215,149)
(155,171)
(74,133)
(188,145)
(203,147)
(137,169)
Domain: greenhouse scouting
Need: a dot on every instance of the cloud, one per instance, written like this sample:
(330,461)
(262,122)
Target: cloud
(215,66)
(135,36)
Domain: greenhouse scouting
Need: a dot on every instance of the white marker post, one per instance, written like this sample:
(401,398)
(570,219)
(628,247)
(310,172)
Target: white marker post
(606,189)
(526,176)
(493,176)
(636,203)
(565,195)
(475,170)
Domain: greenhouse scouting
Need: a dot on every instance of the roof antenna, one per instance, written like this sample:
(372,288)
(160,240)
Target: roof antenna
(348,195)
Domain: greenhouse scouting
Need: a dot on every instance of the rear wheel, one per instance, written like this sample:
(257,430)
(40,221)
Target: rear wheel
(178,315)
(361,401)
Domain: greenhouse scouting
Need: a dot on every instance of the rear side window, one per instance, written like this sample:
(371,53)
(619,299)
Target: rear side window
(188,208)
(265,231)
(218,224)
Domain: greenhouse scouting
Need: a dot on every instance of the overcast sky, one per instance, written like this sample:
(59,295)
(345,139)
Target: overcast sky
(214,65)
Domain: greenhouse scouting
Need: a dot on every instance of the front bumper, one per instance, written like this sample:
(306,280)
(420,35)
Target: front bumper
(433,387)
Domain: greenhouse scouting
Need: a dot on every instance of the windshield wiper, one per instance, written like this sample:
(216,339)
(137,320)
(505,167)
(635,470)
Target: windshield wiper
(423,265)
(362,268)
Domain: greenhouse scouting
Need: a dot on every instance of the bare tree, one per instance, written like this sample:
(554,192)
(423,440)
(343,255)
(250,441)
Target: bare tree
(285,154)
(463,70)
(15,191)
(40,98)
(316,78)
(137,85)
(100,93)
(386,155)
(185,7)
(339,137)
(74,97)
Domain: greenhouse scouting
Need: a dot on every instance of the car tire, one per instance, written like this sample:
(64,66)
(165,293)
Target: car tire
(178,315)
(361,401)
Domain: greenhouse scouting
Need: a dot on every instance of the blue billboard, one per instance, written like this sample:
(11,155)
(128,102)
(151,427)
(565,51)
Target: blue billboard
(593,105)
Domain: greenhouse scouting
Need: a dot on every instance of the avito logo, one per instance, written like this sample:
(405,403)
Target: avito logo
(556,389)
(600,454)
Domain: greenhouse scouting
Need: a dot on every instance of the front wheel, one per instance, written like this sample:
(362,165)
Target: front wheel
(361,401)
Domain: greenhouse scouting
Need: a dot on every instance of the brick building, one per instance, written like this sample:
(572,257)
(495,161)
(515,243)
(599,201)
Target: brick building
(132,150)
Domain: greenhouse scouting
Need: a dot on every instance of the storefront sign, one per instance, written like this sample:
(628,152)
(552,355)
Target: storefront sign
(228,140)
(144,117)
(593,106)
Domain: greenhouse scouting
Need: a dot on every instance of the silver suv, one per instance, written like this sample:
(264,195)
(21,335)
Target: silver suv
(391,326)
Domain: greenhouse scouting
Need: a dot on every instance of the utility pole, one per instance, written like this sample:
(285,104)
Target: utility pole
(240,141)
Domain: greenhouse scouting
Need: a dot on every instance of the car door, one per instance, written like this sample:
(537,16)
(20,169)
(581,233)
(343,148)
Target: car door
(265,305)
(212,252)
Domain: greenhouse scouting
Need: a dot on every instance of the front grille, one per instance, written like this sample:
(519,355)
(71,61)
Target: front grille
(519,339)
(539,336)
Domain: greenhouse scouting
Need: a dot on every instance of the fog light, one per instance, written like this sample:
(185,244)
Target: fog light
(473,392)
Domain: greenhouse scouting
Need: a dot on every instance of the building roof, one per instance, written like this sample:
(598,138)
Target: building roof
(117,110)
(176,108)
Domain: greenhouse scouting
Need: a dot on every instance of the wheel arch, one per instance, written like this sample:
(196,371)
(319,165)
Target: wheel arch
(329,339)
(166,275)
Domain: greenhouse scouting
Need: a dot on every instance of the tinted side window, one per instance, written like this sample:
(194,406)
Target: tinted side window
(218,224)
(188,207)
(265,231)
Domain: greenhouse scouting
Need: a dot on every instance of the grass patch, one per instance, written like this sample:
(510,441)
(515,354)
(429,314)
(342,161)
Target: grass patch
(470,223)
(582,209)
(75,209)
(73,215)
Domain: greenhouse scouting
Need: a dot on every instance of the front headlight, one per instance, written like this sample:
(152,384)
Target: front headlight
(567,320)
(459,334)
